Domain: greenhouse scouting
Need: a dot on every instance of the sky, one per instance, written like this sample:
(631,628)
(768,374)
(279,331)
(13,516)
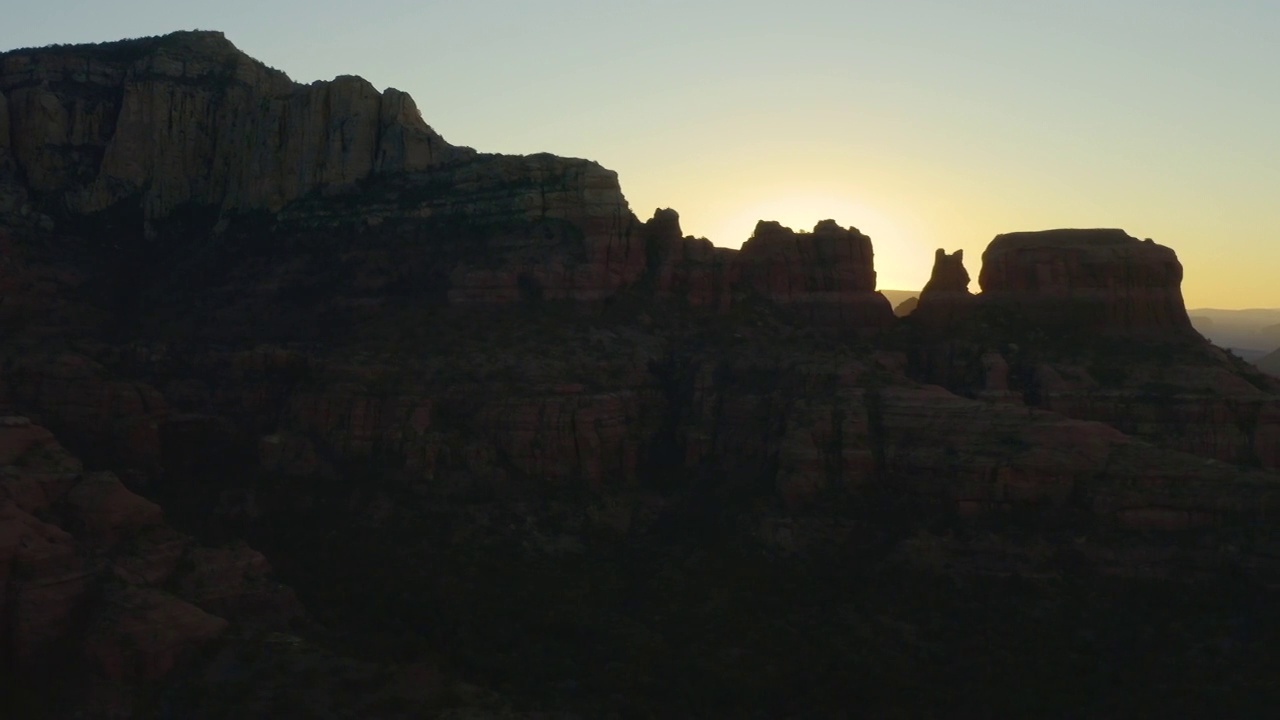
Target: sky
(924,123)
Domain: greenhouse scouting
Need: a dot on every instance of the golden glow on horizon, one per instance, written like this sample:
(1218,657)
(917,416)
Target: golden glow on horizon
(903,258)
(924,130)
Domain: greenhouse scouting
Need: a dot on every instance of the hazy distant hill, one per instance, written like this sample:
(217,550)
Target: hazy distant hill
(906,307)
(1250,333)
(897,297)
(1270,363)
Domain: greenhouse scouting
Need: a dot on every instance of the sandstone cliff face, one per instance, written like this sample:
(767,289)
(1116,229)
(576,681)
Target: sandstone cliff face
(828,275)
(489,230)
(558,229)
(188,120)
(14,206)
(1193,404)
(1096,280)
(802,428)
(686,268)
(186,128)
(1091,324)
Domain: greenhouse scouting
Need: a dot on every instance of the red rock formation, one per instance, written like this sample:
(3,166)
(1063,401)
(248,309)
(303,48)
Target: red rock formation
(1182,394)
(548,228)
(108,538)
(189,119)
(946,299)
(236,582)
(827,275)
(1093,280)
(1194,403)
(143,633)
(687,268)
(110,127)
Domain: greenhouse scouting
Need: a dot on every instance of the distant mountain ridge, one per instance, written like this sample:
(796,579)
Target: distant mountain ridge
(1270,363)
(1251,333)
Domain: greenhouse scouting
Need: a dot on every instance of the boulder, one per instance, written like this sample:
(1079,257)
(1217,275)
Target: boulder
(104,512)
(235,582)
(143,633)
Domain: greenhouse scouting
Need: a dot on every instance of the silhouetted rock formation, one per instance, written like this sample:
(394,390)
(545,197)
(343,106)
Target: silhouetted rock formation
(906,307)
(1092,280)
(946,299)
(687,268)
(187,127)
(829,274)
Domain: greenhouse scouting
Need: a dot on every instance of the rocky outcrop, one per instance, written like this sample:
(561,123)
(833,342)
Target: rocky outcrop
(186,133)
(686,268)
(827,275)
(45,582)
(86,566)
(536,228)
(1018,458)
(1091,324)
(906,307)
(143,633)
(1086,280)
(1195,402)
(946,299)
(187,120)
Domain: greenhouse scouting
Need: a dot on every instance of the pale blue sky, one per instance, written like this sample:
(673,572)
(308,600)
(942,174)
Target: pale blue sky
(923,122)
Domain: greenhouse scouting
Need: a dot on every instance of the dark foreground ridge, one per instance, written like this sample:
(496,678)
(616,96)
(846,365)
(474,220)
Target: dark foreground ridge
(443,433)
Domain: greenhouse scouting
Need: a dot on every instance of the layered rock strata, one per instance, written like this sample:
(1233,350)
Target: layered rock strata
(188,120)
(1088,280)
(826,276)
(185,133)
(1091,324)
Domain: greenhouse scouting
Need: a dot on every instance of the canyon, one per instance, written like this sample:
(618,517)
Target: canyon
(412,410)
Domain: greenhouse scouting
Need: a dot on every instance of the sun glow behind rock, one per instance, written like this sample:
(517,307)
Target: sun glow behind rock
(902,253)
